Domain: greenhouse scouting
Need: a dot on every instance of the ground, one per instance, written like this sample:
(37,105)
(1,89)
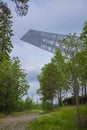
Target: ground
(18,122)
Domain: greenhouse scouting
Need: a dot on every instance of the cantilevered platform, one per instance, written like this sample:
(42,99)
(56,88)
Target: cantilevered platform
(43,40)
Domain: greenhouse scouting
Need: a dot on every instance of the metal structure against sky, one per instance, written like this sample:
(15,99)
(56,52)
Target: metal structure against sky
(43,40)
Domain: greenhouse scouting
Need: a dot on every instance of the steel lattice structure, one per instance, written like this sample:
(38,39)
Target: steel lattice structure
(43,40)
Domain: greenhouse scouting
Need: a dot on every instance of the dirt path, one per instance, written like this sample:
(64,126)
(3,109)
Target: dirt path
(18,122)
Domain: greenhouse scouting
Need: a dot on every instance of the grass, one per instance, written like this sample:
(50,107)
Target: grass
(19,124)
(26,112)
(2,115)
(62,119)
(22,113)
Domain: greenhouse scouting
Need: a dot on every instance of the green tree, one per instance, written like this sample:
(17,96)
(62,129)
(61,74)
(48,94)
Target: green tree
(83,35)
(13,84)
(5,31)
(62,85)
(48,83)
(72,45)
(83,57)
(28,104)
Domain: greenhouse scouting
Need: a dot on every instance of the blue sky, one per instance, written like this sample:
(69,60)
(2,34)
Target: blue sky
(56,16)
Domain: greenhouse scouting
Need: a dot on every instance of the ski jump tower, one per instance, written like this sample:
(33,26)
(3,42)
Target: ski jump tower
(43,40)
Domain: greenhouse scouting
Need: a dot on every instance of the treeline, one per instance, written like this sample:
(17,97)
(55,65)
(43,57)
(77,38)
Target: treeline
(67,71)
(27,105)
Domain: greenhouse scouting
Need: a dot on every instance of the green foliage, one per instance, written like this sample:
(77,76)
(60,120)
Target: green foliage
(5,31)
(48,83)
(37,106)
(82,56)
(68,68)
(63,77)
(71,44)
(27,105)
(83,35)
(13,84)
(62,119)
(66,71)
(55,121)
(46,105)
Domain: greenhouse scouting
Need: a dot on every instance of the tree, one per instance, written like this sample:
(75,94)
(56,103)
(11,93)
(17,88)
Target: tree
(72,45)
(48,83)
(83,37)
(28,103)
(5,31)
(59,60)
(13,84)
(21,6)
(81,58)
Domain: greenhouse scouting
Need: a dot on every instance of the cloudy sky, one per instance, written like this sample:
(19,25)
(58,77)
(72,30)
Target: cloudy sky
(56,16)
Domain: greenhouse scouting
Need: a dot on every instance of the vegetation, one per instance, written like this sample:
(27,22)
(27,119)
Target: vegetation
(48,83)
(5,32)
(70,71)
(13,83)
(71,74)
(21,6)
(62,78)
(66,72)
(61,119)
(27,105)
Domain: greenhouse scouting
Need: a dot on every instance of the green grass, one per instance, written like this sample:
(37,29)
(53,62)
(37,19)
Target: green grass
(62,119)
(2,115)
(22,113)
(26,112)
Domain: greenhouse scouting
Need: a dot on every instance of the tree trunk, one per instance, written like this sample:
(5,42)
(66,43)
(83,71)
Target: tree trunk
(77,101)
(59,97)
(78,111)
(85,91)
(82,94)
(51,105)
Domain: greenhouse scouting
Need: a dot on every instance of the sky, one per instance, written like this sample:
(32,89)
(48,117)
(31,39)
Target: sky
(56,16)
